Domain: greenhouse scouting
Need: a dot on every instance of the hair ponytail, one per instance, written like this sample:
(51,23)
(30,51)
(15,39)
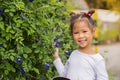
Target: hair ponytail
(82,16)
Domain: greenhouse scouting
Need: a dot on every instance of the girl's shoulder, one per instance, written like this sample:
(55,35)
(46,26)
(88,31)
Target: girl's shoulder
(97,57)
(74,53)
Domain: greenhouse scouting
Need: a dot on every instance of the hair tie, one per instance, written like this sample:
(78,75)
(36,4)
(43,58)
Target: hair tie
(89,14)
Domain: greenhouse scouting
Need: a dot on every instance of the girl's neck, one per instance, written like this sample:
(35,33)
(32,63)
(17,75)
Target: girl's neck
(87,50)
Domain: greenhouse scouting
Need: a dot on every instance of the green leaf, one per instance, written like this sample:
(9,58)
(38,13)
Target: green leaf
(19,21)
(11,50)
(19,49)
(7,10)
(11,14)
(27,49)
(6,72)
(36,70)
(12,31)
(31,31)
(13,70)
(37,50)
(34,45)
(1,25)
(20,5)
(12,58)
(33,26)
(25,56)
(8,28)
(15,18)
(7,37)
(1,18)
(12,10)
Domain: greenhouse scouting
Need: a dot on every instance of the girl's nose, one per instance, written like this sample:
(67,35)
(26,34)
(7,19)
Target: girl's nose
(81,35)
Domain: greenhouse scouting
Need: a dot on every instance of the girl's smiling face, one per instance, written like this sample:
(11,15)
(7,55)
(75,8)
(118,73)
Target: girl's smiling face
(82,34)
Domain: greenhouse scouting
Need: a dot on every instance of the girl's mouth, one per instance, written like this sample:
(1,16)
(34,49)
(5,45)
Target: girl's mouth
(81,41)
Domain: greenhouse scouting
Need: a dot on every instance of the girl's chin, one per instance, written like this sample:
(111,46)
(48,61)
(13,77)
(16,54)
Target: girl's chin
(82,46)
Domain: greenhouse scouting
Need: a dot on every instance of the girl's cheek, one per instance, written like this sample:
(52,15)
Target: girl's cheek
(74,37)
(88,34)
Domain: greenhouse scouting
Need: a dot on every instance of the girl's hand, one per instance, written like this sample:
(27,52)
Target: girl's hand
(56,53)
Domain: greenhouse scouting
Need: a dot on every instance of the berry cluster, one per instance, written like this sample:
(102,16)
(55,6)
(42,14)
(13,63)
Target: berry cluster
(21,69)
(57,44)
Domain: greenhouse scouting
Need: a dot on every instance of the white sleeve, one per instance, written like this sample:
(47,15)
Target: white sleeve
(101,70)
(60,67)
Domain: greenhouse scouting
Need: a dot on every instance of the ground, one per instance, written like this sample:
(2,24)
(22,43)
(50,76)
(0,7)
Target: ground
(111,53)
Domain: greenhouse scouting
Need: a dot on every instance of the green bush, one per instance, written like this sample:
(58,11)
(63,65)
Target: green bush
(28,29)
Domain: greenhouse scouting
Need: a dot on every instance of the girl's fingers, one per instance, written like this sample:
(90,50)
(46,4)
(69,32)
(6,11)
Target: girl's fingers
(56,50)
(56,53)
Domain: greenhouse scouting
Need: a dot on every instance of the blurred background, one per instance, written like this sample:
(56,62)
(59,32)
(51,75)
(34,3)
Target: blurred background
(107,17)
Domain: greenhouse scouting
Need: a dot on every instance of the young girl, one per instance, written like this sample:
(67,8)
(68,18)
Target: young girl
(83,63)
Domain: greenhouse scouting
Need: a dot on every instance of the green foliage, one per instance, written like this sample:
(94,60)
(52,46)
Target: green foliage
(114,5)
(27,31)
(104,4)
(111,76)
(110,34)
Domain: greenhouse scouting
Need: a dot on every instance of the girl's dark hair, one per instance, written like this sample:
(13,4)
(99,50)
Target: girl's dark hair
(86,17)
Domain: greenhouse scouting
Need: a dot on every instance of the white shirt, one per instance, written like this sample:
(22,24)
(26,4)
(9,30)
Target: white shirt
(81,66)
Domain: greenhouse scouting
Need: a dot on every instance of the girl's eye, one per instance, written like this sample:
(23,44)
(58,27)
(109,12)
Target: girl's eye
(84,31)
(75,32)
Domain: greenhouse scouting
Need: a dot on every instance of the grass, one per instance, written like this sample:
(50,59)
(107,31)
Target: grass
(111,76)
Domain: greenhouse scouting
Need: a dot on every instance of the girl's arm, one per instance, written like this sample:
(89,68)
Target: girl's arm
(101,71)
(59,65)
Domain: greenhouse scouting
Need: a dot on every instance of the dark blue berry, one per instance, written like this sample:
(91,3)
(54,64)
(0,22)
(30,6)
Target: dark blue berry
(63,18)
(19,60)
(47,65)
(46,31)
(57,44)
(62,31)
(68,52)
(1,11)
(1,45)
(56,38)
(21,69)
(37,40)
(31,0)
(9,22)
(22,17)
